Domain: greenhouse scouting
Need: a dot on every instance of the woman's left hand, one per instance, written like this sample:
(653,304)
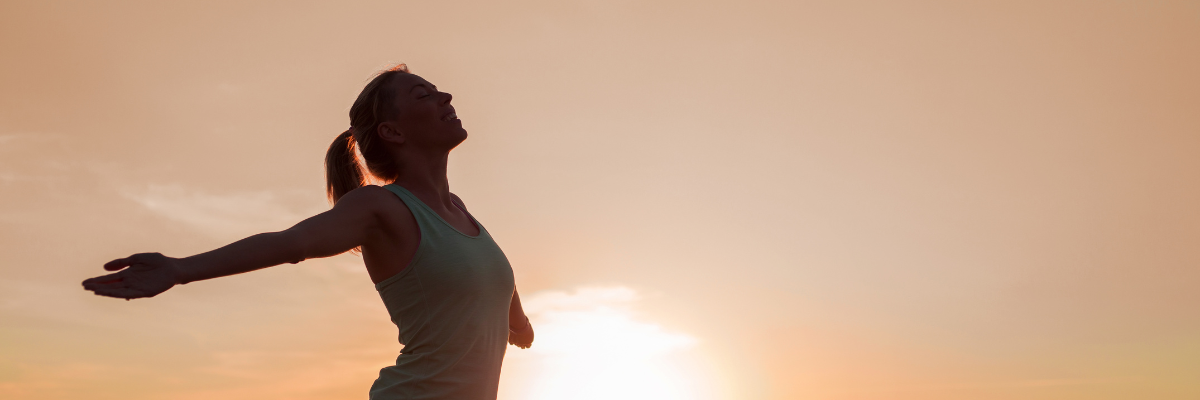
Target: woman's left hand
(521,337)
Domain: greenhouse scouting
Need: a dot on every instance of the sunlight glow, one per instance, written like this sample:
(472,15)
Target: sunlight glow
(590,346)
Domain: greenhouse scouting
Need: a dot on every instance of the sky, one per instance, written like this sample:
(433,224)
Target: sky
(718,200)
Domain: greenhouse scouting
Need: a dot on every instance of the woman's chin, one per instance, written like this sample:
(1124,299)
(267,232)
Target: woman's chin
(458,136)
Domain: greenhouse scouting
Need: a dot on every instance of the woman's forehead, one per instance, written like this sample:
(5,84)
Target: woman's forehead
(406,82)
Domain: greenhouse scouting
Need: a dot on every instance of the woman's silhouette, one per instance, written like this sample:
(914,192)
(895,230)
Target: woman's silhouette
(445,282)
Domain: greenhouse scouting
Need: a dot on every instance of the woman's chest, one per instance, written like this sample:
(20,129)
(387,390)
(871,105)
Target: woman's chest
(468,266)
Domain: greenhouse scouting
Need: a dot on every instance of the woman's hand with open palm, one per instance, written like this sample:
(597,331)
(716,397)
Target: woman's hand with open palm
(142,275)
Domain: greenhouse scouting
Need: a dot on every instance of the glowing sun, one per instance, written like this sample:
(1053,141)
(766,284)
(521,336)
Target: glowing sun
(590,346)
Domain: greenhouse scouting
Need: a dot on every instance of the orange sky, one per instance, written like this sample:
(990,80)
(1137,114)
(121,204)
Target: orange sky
(791,200)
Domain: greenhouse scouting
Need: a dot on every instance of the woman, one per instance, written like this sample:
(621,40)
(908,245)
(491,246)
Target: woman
(446,284)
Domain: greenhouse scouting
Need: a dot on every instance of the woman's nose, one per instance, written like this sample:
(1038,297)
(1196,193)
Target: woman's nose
(447,99)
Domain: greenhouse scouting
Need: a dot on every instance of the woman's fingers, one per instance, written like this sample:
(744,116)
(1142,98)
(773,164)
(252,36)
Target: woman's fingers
(140,275)
(522,339)
(139,258)
(100,280)
(118,263)
(121,292)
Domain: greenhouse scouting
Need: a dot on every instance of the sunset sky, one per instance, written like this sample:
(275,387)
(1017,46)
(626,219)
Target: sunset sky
(710,200)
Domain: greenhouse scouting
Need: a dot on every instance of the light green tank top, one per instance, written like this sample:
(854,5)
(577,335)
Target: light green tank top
(451,305)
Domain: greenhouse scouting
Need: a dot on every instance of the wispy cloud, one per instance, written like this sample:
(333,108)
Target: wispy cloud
(59,380)
(1075,382)
(576,322)
(221,215)
(21,140)
(23,158)
(588,298)
(1028,383)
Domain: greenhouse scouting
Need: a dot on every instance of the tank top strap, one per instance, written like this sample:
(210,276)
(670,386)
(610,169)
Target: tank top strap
(431,224)
(426,219)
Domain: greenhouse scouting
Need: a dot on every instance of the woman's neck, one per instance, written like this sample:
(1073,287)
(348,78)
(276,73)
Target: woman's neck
(426,178)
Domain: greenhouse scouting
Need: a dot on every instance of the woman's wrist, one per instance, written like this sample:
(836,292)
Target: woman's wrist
(181,267)
(522,327)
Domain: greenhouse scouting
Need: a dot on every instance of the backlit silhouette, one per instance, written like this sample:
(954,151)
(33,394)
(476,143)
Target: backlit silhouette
(445,282)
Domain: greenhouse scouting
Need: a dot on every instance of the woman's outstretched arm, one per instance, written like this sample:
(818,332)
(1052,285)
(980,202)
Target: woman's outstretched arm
(346,226)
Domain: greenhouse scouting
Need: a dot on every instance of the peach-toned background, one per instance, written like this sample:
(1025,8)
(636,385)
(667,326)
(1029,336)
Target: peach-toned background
(780,200)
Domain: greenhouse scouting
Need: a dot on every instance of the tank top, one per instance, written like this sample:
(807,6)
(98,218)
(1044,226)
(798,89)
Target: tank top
(451,306)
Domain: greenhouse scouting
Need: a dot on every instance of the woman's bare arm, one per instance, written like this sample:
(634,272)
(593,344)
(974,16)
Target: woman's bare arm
(346,226)
(520,331)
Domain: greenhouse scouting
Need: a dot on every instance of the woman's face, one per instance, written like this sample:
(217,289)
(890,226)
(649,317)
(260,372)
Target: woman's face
(426,118)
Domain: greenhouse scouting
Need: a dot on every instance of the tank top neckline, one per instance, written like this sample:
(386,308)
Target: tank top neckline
(439,217)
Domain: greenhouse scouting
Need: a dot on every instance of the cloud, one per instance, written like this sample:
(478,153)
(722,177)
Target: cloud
(221,215)
(24,140)
(588,298)
(596,320)
(24,158)
(995,385)
(592,344)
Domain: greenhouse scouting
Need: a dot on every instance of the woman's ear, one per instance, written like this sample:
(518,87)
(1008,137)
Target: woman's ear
(389,132)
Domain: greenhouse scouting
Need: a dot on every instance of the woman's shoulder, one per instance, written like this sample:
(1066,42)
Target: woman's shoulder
(380,202)
(370,195)
(458,200)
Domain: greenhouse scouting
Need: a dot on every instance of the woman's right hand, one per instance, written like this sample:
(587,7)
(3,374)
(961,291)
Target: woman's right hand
(144,275)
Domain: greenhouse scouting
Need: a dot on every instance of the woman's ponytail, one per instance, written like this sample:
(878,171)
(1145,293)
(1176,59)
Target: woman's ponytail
(342,173)
(373,106)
